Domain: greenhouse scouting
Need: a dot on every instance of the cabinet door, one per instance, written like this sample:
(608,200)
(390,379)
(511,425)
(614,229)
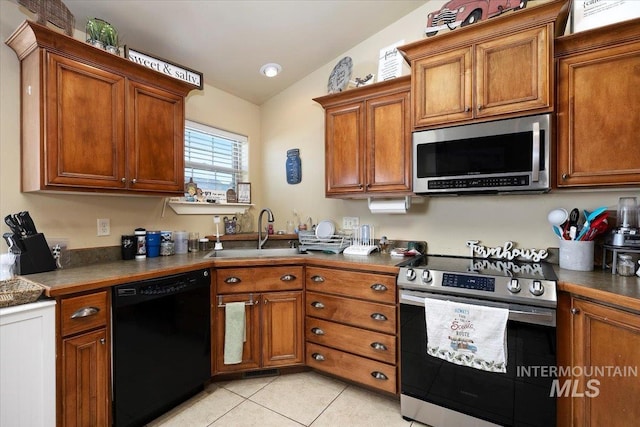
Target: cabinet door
(155,149)
(443,88)
(604,337)
(388,147)
(251,350)
(344,149)
(514,74)
(282,327)
(84,111)
(597,117)
(85,380)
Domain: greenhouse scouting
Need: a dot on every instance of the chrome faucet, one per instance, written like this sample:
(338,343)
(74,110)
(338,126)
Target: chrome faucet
(269,219)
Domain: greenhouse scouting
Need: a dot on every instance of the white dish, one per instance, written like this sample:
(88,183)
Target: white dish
(325,229)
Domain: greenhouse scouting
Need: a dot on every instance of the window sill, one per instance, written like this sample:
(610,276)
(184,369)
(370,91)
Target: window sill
(203,208)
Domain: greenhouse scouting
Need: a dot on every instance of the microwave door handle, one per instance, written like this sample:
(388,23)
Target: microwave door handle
(535,158)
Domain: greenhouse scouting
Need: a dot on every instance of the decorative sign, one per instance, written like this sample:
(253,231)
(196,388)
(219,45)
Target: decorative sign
(244,192)
(390,62)
(507,251)
(589,14)
(165,67)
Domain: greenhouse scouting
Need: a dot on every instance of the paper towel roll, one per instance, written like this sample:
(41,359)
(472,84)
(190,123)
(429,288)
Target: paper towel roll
(389,206)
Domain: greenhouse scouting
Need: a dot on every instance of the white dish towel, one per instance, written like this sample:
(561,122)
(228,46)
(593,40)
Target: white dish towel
(468,335)
(234,332)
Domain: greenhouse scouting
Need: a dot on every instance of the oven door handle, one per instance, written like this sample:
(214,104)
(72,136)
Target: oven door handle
(517,313)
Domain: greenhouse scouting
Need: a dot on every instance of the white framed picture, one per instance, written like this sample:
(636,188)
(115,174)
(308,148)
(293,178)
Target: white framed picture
(588,14)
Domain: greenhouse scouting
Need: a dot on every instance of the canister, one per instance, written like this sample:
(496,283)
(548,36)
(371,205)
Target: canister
(153,244)
(625,266)
(141,243)
(180,239)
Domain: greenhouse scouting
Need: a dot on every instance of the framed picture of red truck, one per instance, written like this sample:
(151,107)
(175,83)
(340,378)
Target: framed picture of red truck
(460,13)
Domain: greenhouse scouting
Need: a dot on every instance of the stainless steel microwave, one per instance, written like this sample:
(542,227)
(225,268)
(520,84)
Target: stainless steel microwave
(505,156)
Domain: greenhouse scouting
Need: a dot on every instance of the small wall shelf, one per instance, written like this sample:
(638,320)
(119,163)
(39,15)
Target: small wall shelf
(200,208)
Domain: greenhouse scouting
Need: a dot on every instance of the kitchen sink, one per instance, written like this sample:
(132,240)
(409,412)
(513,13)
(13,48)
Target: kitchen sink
(255,253)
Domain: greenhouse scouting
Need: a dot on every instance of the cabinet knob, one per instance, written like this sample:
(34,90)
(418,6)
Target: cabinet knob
(317,279)
(232,280)
(123,180)
(378,346)
(317,304)
(467,109)
(85,312)
(479,107)
(565,176)
(575,310)
(133,181)
(318,331)
(360,186)
(318,357)
(103,341)
(288,278)
(378,316)
(378,287)
(379,375)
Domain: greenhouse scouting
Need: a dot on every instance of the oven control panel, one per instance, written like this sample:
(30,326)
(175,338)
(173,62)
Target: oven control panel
(501,288)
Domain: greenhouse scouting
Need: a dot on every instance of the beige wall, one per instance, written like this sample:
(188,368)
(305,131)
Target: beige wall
(74,216)
(289,120)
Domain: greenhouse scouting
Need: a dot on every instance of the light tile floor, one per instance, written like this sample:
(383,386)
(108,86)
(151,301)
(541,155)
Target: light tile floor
(301,399)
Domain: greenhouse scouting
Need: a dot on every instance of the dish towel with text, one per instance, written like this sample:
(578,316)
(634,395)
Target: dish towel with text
(468,335)
(234,332)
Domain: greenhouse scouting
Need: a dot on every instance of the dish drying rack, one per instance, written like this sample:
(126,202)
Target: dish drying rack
(335,243)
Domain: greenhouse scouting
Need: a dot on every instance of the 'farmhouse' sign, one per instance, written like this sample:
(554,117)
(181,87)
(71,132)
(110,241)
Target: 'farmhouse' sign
(165,67)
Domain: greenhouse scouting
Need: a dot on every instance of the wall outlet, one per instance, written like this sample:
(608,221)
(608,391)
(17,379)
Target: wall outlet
(104,227)
(350,222)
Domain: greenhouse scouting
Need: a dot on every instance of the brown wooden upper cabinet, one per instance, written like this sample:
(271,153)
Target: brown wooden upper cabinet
(96,122)
(499,68)
(368,140)
(599,106)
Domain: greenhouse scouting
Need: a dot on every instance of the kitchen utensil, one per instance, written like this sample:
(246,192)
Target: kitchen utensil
(590,216)
(557,218)
(27,223)
(572,225)
(13,225)
(598,226)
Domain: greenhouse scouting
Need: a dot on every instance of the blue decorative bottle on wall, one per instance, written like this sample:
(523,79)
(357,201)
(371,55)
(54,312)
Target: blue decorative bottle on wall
(294,166)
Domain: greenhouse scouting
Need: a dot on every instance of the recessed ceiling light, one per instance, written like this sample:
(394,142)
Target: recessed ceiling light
(271,69)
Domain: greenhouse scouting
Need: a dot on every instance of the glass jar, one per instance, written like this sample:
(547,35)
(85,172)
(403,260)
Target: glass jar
(626,266)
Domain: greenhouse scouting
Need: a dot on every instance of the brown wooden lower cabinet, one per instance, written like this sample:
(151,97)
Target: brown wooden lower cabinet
(604,358)
(84,361)
(274,334)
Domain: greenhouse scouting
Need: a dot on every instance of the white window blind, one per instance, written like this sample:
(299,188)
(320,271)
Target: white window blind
(214,158)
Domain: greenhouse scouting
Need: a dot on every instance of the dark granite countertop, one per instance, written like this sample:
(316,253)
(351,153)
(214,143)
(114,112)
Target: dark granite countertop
(599,284)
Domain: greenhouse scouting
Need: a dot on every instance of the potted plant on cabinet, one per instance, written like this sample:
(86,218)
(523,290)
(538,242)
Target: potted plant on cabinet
(109,37)
(94,32)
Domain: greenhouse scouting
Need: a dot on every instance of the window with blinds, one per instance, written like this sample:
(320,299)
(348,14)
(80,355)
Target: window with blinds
(214,158)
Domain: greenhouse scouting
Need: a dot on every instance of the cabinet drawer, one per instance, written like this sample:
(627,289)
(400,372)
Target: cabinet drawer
(83,312)
(374,287)
(374,345)
(354,368)
(370,315)
(259,279)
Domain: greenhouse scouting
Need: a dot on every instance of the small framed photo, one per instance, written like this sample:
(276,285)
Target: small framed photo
(244,192)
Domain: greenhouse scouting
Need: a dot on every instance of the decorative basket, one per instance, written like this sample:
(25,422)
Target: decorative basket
(18,291)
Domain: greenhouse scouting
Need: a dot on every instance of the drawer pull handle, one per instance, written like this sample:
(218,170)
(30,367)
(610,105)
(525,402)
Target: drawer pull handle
(378,316)
(232,280)
(378,287)
(317,304)
(317,331)
(288,278)
(318,357)
(85,312)
(317,279)
(379,375)
(378,346)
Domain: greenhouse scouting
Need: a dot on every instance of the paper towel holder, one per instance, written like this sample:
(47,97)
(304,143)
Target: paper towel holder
(389,206)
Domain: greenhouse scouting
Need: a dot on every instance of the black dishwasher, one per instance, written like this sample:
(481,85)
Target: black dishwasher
(161,344)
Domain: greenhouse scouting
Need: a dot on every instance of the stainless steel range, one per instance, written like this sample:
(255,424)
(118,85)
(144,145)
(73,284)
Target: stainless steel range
(440,393)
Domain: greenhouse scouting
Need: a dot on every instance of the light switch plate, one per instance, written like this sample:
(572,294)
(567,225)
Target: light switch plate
(350,222)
